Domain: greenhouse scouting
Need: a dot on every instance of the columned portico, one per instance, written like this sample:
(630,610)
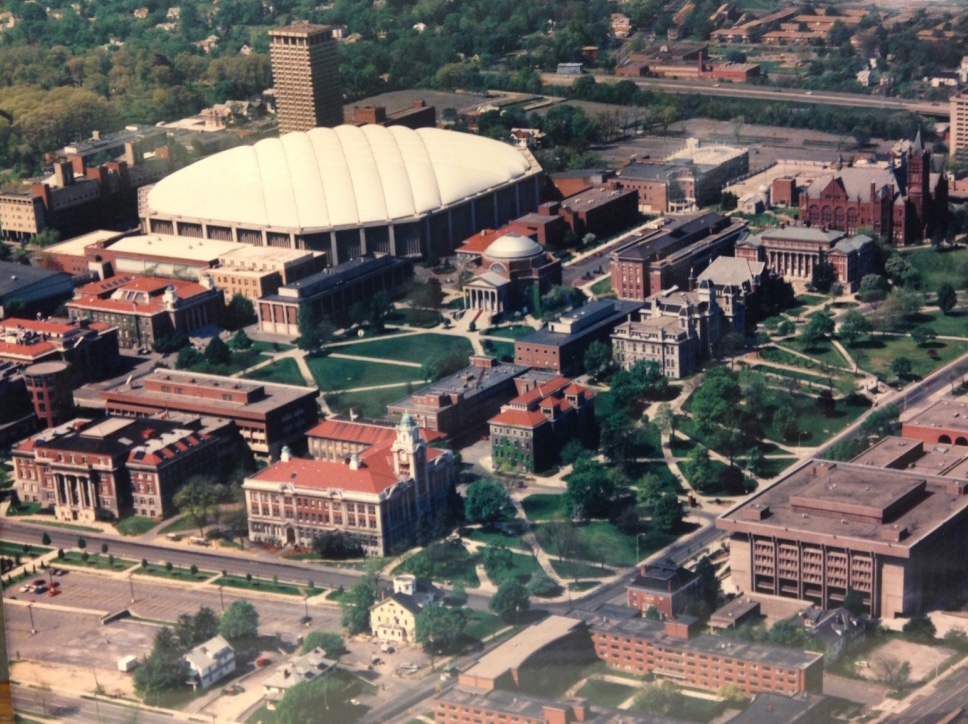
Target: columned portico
(75,497)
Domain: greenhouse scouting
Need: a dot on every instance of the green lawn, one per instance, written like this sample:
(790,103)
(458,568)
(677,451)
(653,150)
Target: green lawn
(180,526)
(876,355)
(543,506)
(602,286)
(772,466)
(22,508)
(332,373)
(497,538)
(523,567)
(811,300)
(283,371)
(12,550)
(423,318)
(815,424)
(481,624)
(939,267)
(504,351)
(795,374)
(606,693)
(604,404)
(661,470)
(260,584)
(271,347)
(368,403)
(412,348)
(95,561)
(512,332)
(718,467)
(177,573)
(823,352)
(458,566)
(135,525)
(954,324)
(578,569)
(688,427)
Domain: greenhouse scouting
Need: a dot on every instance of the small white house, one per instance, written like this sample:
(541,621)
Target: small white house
(209,662)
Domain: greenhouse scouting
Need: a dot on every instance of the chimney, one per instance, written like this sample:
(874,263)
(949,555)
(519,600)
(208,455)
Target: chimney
(42,191)
(285,455)
(79,165)
(63,174)
(355,461)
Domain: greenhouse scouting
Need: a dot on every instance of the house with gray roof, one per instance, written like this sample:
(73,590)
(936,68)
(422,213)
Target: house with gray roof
(210,662)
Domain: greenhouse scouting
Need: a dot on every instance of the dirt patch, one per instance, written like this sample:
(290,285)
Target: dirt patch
(924,660)
(73,678)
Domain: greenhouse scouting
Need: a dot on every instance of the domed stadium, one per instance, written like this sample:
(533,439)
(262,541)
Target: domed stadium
(349,191)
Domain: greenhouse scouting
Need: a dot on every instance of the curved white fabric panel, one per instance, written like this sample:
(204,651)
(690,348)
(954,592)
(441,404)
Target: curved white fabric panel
(344,176)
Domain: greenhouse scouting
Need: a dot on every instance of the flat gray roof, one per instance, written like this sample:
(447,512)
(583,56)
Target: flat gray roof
(515,651)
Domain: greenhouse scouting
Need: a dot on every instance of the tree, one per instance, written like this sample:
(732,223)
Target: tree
(897,267)
(816,330)
(240,340)
(824,275)
(591,489)
(854,602)
(487,503)
(81,543)
(380,306)
(45,539)
(240,621)
(873,288)
(188,357)
(947,298)
(923,335)
(665,418)
(702,472)
(542,585)
(498,562)
(901,367)
(439,629)
(598,358)
(894,672)
(458,594)
(329,641)
(429,295)
(355,606)
(338,545)
(786,420)
(716,401)
(957,639)
(313,333)
(510,601)
(198,499)
(661,698)
(325,698)
(709,585)
(919,628)
(852,325)
(217,352)
(163,669)
(667,513)
(239,312)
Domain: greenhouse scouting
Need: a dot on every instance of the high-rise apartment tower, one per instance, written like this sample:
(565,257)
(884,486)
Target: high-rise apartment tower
(959,123)
(305,73)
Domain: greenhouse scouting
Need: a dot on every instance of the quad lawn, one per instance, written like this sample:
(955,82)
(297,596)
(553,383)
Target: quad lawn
(577,569)
(271,347)
(816,427)
(939,267)
(416,348)
(283,371)
(795,374)
(661,470)
(332,373)
(481,624)
(771,467)
(368,403)
(822,351)
(523,567)
(135,525)
(543,506)
(811,300)
(458,565)
(602,286)
(599,541)
(181,525)
(504,351)
(607,693)
(496,538)
(875,355)
(954,324)
(514,331)
(424,318)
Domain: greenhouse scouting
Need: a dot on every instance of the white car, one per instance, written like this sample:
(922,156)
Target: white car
(27,588)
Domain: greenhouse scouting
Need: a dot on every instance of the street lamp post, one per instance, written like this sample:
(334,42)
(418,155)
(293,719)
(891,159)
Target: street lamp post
(637,537)
(131,584)
(800,438)
(221,597)
(30,610)
(306,605)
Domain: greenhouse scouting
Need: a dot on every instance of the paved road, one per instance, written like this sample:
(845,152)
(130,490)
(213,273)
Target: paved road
(950,696)
(68,707)
(740,90)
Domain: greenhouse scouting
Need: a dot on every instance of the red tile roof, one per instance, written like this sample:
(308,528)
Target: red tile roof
(364,433)
(519,418)
(36,325)
(542,390)
(373,476)
(478,243)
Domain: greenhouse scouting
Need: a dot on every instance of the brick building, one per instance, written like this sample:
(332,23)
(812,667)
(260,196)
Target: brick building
(458,706)
(377,496)
(268,415)
(530,430)
(416,115)
(561,344)
(85,468)
(794,251)
(677,330)
(668,256)
(668,588)
(507,273)
(943,423)
(147,308)
(668,650)
(90,349)
(465,401)
(338,438)
(331,292)
(903,204)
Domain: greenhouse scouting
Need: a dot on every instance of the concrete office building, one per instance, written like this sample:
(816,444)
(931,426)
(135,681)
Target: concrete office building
(350,191)
(305,73)
(33,287)
(959,123)
(827,528)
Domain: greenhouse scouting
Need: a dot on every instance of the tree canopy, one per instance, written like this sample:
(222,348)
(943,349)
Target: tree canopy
(240,621)
(487,502)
